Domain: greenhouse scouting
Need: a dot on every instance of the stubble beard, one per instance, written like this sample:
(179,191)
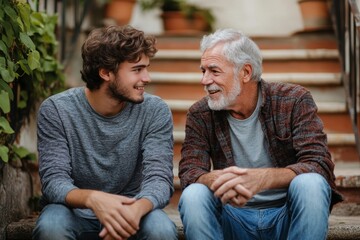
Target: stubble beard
(119,94)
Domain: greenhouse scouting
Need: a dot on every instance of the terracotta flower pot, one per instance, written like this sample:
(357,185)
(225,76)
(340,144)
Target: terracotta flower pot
(315,14)
(120,10)
(176,22)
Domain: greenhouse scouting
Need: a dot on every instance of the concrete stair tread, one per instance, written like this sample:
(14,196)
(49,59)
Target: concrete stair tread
(304,40)
(333,138)
(185,104)
(347,174)
(340,227)
(293,77)
(268,54)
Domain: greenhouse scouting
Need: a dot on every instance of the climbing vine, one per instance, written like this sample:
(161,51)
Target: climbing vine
(29,70)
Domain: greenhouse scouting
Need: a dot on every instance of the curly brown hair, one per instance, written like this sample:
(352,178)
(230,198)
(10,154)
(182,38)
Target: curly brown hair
(107,47)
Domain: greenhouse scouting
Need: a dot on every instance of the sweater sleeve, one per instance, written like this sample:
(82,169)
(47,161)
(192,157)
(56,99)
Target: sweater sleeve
(157,151)
(54,157)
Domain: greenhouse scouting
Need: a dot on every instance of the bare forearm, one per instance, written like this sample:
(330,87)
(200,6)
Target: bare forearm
(277,178)
(208,178)
(79,198)
(143,205)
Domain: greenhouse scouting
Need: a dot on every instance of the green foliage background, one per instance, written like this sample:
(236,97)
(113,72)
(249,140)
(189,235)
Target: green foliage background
(29,70)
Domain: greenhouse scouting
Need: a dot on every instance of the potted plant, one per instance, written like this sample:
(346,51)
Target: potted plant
(315,14)
(180,16)
(120,11)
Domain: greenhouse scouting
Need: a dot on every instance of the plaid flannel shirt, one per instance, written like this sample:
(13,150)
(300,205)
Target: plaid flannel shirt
(293,131)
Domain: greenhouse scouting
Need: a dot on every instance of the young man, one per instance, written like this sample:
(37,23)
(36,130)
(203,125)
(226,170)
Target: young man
(106,150)
(272,175)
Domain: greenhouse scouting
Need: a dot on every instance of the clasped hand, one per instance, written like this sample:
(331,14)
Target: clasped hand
(237,185)
(118,215)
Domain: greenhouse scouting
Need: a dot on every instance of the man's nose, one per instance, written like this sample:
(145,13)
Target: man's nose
(146,76)
(206,79)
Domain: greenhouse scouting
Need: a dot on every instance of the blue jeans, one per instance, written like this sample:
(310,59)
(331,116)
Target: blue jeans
(304,216)
(58,222)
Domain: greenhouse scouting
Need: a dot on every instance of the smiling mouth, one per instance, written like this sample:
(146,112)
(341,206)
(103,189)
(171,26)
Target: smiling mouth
(213,91)
(140,87)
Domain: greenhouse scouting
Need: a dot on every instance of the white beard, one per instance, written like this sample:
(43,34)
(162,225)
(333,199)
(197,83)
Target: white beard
(224,101)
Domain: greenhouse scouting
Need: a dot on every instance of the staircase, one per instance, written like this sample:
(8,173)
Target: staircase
(308,59)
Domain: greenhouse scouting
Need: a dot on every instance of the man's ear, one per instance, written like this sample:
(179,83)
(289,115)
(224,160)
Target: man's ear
(104,74)
(247,71)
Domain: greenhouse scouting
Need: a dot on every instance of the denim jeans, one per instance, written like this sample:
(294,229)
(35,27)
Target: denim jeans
(304,215)
(58,222)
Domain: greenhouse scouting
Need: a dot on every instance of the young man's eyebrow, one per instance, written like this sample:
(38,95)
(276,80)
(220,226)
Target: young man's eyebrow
(140,66)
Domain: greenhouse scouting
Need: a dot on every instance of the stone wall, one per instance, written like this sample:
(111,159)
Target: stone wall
(15,192)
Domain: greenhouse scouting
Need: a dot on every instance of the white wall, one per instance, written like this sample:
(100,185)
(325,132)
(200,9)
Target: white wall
(253,17)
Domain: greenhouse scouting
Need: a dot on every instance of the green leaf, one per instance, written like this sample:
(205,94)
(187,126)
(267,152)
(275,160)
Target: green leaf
(12,69)
(34,60)
(10,12)
(4,101)
(7,88)
(25,66)
(20,151)
(9,36)
(26,40)
(4,124)
(5,75)
(37,22)
(24,10)
(2,62)
(3,48)
(4,153)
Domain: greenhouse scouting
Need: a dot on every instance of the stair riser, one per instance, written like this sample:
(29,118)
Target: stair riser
(330,121)
(196,91)
(292,42)
(344,154)
(278,66)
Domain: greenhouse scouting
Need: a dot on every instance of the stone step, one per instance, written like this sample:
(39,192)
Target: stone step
(331,113)
(196,92)
(305,40)
(341,145)
(269,66)
(268,54)
(293,60)
(187,86)
(333,138)
(323,107)
(305,79)
(341,227)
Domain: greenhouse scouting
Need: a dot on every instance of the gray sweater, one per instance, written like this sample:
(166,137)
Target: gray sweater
(129,154)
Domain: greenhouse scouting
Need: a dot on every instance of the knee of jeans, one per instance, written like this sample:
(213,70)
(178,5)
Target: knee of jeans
(194,194)
(161,228)
(51,222)
(163,232)
(45,228)
(310,185)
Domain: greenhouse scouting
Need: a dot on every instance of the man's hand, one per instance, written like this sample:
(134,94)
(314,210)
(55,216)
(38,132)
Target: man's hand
(237,185)
(119,215)
(137,210)
(114,213)
(208,178)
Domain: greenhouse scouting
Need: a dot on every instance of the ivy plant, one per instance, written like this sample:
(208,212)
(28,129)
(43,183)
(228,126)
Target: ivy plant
(29,70)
